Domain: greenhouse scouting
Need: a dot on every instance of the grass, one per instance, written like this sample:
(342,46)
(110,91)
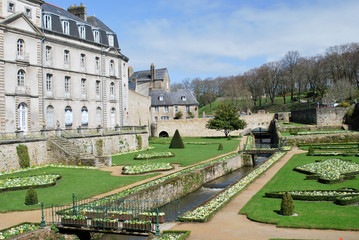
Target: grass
(322,215)
(287,124)
(82,182)
(191,154)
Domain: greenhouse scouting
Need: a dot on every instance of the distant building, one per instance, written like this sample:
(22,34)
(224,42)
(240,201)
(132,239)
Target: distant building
(59,65)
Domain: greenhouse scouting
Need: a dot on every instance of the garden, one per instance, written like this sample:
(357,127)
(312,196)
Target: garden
(329,204)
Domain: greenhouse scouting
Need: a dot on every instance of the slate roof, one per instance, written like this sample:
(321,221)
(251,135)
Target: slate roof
(145,75)
(92,23)
(173,98)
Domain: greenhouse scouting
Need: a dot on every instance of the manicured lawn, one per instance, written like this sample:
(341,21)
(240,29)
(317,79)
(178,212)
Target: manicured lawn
(82,182)
(311,214)
(287,124)
(192,153)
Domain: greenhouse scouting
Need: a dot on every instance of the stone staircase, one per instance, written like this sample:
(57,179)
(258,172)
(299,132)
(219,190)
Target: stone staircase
(66,152)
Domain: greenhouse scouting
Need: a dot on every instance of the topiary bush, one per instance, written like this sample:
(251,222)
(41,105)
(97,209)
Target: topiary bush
(287,206)
(310,150)
(31,197)
(23,154)
(139,141)
(176,141)
(220,146)
(229,137)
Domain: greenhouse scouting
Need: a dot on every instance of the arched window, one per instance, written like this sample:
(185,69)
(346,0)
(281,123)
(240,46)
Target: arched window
(50,116)
(98,116)
(112,68)
(20,48)
(112,91)
(21,78)
(68,116)
(22,117)
(113,117)
(84,116)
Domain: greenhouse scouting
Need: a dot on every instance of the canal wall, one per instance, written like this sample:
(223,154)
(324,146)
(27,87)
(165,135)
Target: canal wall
(184,184)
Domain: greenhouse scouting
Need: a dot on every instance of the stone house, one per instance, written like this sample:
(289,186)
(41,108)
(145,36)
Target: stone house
(60,66)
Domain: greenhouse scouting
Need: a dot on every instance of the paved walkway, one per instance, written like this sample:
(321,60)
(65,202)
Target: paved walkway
(227,224)
(14,218)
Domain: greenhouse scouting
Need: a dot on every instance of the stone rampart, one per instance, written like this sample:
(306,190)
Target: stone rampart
(320,116)
(197,127)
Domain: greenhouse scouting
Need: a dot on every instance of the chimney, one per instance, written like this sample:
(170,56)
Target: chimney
(153,72)
(78,11)
(130,71)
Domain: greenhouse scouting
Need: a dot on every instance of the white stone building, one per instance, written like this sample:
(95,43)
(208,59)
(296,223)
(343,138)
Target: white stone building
(59,65)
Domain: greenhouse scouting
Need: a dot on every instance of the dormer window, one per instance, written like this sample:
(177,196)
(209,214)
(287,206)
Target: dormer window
(160,98)
(82,32)
(47,22)
(96,36)
(183,98)
(110,40)
(11,7)
(28,12)
(66,27)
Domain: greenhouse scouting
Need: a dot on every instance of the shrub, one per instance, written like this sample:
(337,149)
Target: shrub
(220,146)
(190,114)
(176,141)
(310,150)
(99,147)
(23,153)
(178,115)
(139,141)
(344,104)
(31,197)
(229,137)
(287,206)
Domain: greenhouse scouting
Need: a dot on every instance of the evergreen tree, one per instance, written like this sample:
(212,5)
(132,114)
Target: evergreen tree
(287,206)
(31,197)
(176,141)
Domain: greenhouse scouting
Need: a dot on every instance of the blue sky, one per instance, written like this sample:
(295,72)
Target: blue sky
(210,38)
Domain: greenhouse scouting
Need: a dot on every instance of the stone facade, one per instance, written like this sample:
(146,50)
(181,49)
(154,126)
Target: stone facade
(197,127)
(320,116)
(138,109)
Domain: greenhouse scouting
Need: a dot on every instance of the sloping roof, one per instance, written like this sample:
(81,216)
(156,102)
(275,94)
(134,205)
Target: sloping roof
(181,97)
(57,14)
(145,75)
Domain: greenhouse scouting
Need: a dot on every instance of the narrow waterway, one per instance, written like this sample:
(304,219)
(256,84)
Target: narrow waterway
(199,196)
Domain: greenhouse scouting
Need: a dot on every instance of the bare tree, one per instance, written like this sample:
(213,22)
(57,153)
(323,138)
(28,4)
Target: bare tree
(291,62)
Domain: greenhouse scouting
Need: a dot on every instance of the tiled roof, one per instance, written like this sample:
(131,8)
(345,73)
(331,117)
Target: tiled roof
(181,97)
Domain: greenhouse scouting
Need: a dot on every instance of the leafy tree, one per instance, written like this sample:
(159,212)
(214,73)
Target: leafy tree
(176,141)
(226,119)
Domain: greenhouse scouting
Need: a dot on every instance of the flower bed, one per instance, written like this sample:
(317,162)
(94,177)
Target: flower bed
(143,156)
(15,231)
(105,223)
(26,182)
(331,170)
(137,225)
(344,196)
(249,143)
(43,166)
(145,168)
(204,212)
(173,235)
(76,220)
(344,154)
(152,216)
(120,215)
(319,132)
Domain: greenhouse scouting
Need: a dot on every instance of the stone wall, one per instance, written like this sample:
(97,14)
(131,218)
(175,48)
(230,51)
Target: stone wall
(320,116)
(197,127)
(181,185)
(326,138)
(138,109)
(304,116)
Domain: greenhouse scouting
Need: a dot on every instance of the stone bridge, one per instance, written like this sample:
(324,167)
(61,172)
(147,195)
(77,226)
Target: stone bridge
(197,127)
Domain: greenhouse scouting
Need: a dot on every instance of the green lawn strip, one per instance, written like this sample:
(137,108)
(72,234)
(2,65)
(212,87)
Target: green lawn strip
(82,182)
(286,124)
(191,154)
(321,215)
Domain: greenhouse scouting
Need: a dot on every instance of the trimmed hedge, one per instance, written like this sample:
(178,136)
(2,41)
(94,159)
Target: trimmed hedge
(23,153)
(176,141)
(31,197)
(287,206)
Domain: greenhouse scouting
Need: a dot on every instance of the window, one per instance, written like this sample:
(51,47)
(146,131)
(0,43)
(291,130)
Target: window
(110,40)
(83,87)
(188,108)
(97,64)
(84,116)
(47,22)
(11,7)
(50,116)
(112,91)
(28,12)
(21,78)
(98,117)
(160,98)
(66,27)
(20,48)
(22,116)
(183,98)
(112,68)
(98,89)
(176,108)
(48,54)
(68,116)
(165,118)
(82,32)
(82,60)
(166,108)
(67,87)
(113,117)
(49,84)
(96,36)
(156,119)
(66,57)
(157,109)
